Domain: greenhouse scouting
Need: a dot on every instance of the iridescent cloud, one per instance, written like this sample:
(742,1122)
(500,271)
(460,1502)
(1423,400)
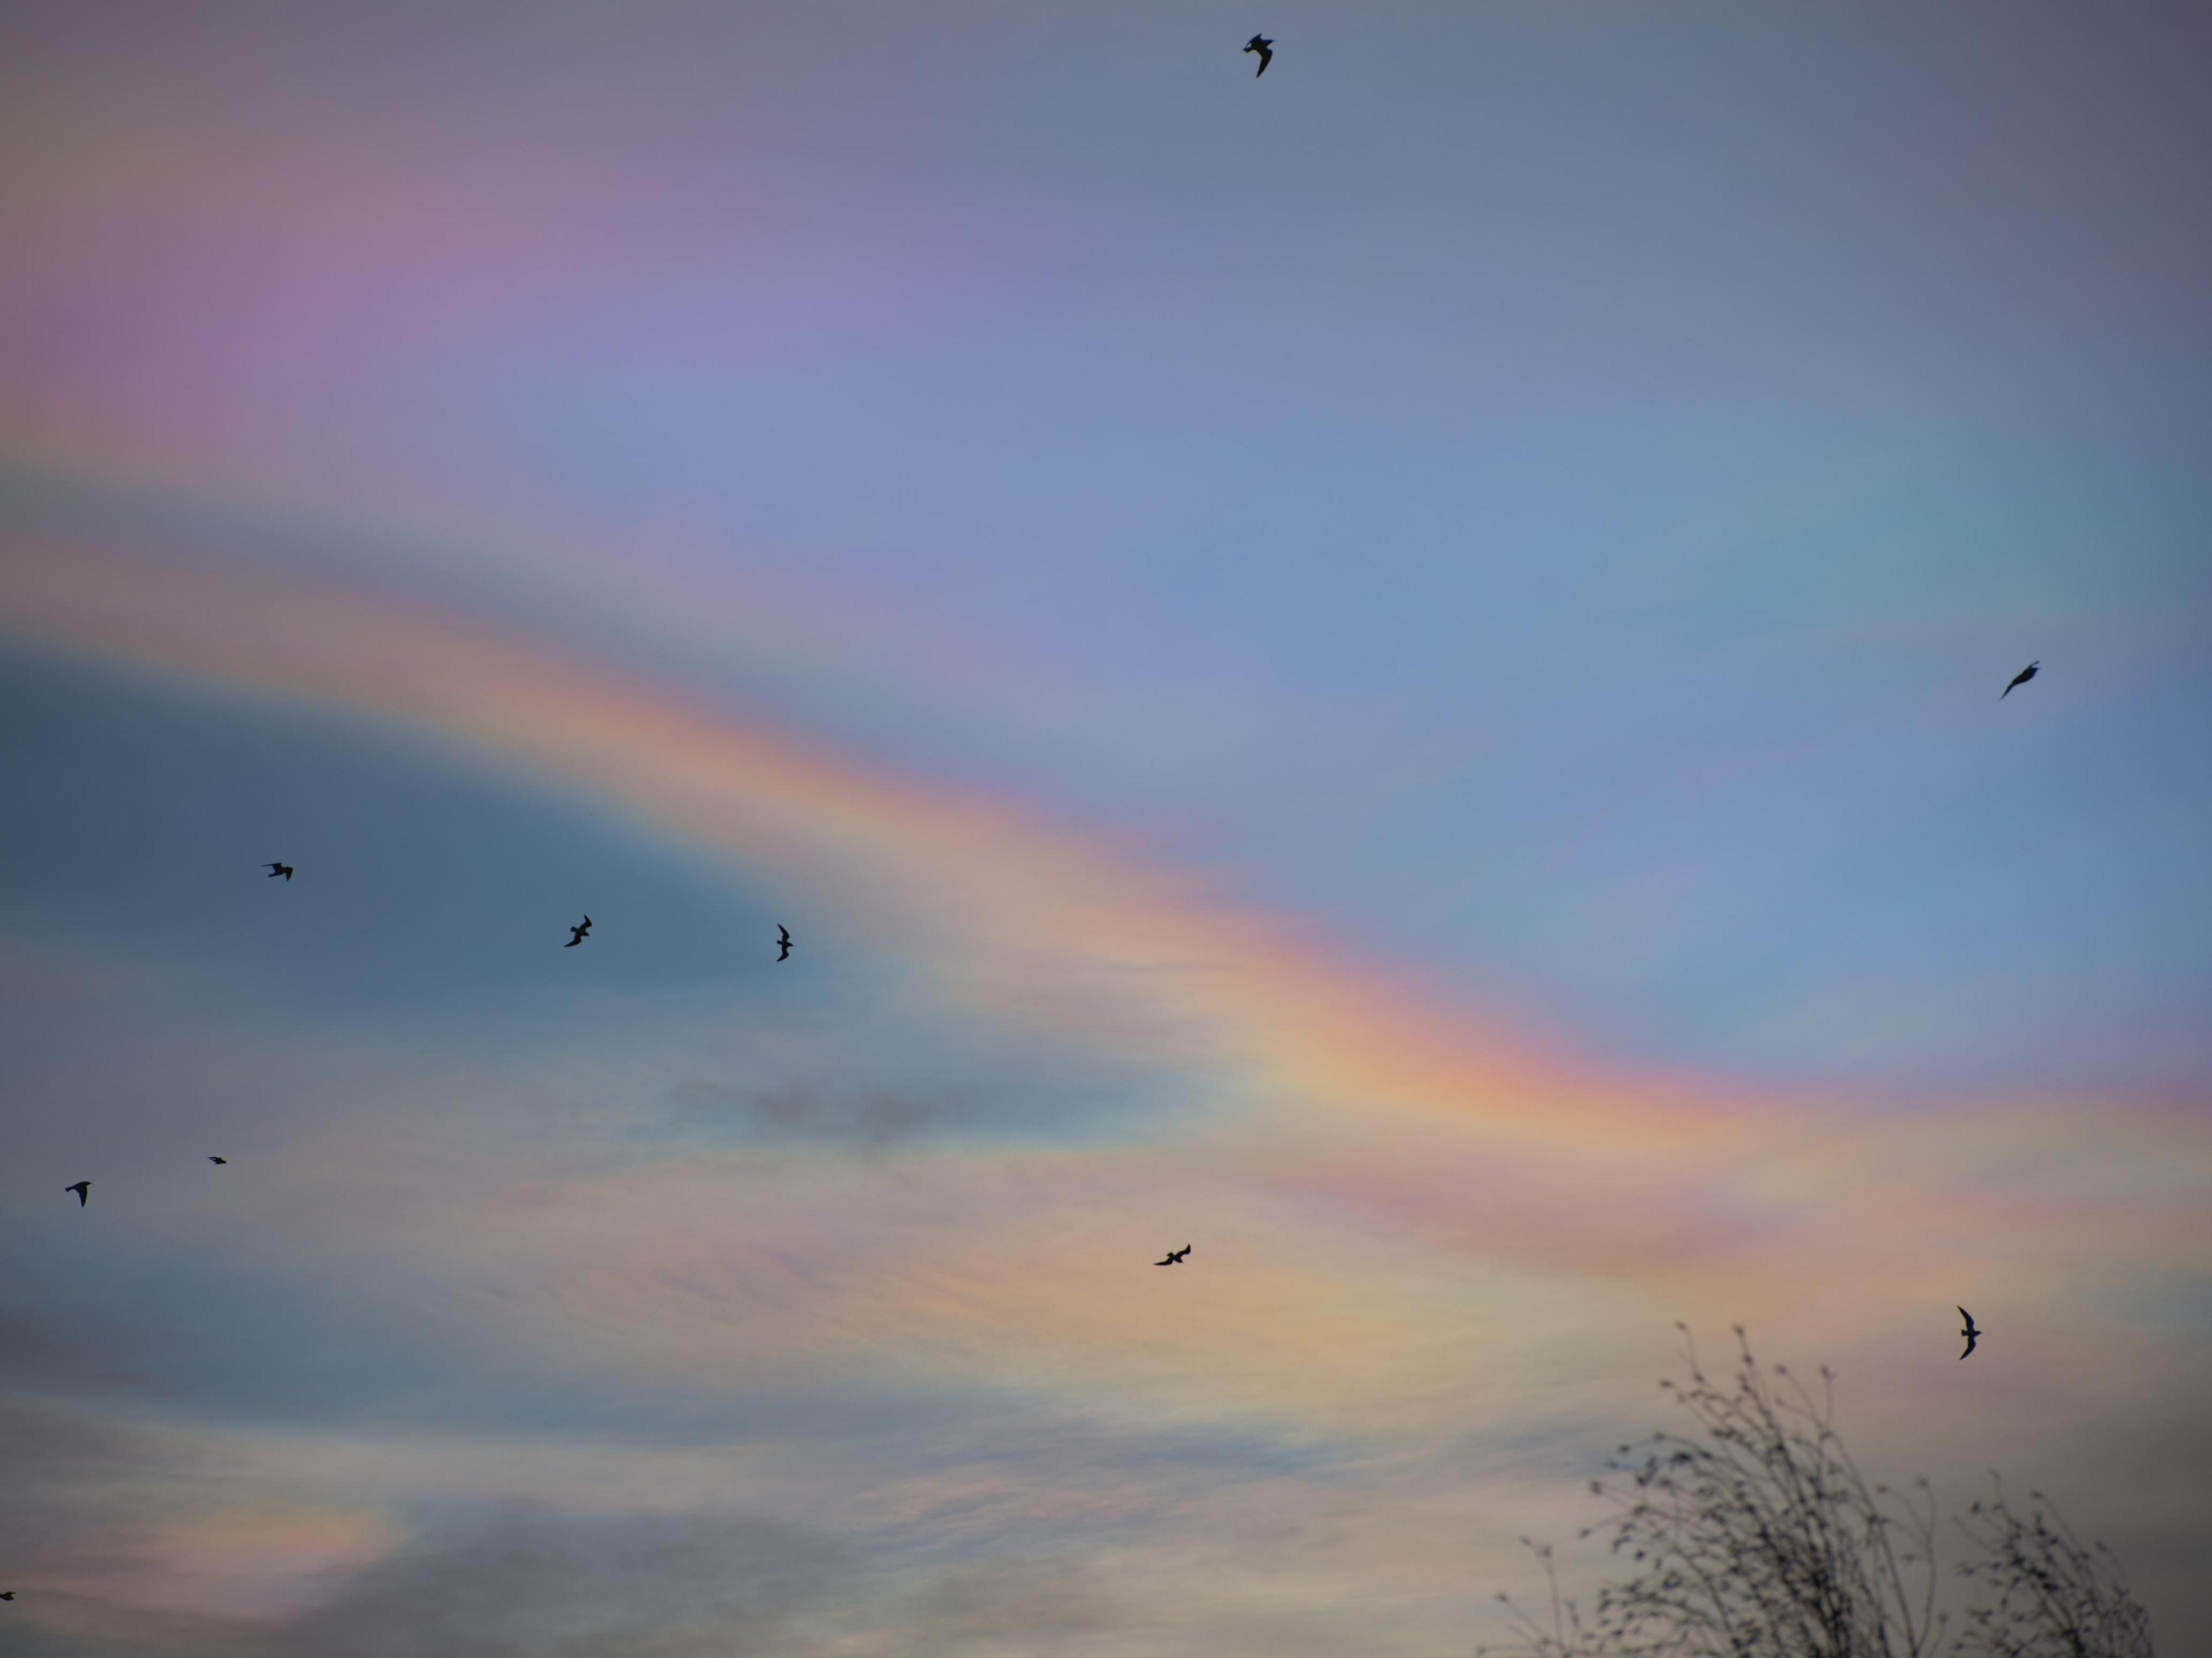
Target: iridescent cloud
(1296,1058)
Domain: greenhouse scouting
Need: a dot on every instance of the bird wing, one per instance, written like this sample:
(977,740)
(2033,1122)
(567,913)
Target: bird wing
(1266,58)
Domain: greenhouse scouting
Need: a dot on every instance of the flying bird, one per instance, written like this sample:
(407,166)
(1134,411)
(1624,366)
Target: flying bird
(1174,1257)
(1265,48)
(1972,1334)
(83,1190)
(7,1594)
(783,941)
(212,1159)
(2020,678)
(576,933)
(275,870)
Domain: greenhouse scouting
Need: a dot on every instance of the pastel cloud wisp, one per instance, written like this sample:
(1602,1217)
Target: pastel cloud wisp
(1010,913)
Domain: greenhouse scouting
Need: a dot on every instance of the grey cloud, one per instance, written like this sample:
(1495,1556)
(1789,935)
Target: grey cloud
(70,1627)
(1067,1605)
(537,1585)
(1029,1607)
(899,1079)
(65,1470)
(37,1354)
(871,1115)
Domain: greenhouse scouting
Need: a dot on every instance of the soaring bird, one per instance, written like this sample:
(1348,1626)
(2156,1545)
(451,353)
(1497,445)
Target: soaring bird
(83,1190)
(1265,48)
(212,1159)
(7,1594)
(2020,678)
(1972,1334)
(783,941)
(275,870)
(576,933)
(1174,1257)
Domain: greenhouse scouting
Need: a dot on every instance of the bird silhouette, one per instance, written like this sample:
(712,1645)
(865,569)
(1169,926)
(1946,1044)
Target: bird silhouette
(783,941)
(83,1190)
(212,1159)
(275,870)
(1265,48)
(2020,678)
(1174,1257)
(576,933)
(7,1594)
(1972,1334)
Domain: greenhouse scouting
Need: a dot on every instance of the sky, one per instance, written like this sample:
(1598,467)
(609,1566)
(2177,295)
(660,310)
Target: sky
(1389,671)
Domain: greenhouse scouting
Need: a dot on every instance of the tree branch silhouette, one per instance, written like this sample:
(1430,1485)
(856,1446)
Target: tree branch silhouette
(1757,1536)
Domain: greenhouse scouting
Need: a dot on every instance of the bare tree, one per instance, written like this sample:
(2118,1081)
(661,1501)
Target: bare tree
(2044,1592)
(1759,1538)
